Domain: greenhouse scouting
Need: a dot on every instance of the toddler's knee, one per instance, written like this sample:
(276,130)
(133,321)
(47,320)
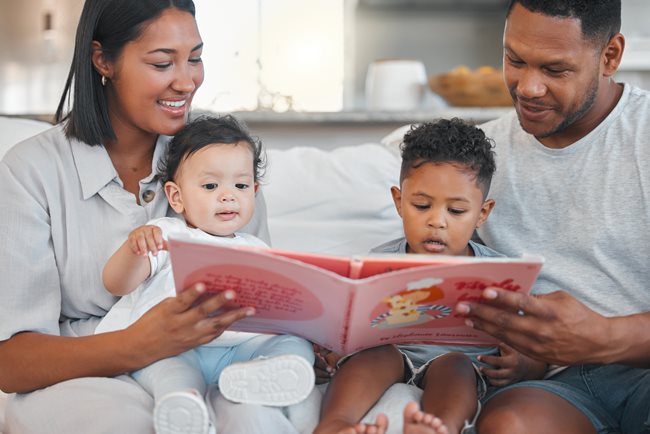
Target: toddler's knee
(455,361)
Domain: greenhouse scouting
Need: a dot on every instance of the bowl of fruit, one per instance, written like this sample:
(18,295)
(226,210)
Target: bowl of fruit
(464,87)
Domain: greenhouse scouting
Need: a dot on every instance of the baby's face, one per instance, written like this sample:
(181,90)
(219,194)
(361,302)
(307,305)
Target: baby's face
(440,206)
(216,188)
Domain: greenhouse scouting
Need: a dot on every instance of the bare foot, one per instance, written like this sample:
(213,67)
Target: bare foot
(418,422)
(341,427)
(379,427)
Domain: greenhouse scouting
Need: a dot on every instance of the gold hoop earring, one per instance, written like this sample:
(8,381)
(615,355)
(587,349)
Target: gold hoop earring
(104,80)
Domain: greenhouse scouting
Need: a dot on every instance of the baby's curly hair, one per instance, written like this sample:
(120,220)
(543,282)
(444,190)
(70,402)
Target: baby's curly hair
(449,141)
(205,131)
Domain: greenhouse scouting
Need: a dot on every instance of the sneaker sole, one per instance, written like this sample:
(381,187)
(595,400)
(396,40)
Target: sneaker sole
(276,381)
(181,413)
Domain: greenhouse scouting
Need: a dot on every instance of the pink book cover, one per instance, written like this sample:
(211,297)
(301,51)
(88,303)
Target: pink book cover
(350,303)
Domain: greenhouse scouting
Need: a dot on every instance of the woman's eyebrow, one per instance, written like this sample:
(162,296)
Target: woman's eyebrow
(173,50)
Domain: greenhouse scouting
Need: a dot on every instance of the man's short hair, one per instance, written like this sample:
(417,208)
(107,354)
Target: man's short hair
(600,19)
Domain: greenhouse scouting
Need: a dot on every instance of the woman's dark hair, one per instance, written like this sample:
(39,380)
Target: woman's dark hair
(205,131)
(113,23)
(600,19)
(449,141)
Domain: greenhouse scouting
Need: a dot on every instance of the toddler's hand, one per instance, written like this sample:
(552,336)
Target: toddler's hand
(145,239)
(511,366)
(325,363)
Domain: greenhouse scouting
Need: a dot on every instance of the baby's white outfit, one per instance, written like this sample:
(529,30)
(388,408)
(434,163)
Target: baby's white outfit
(249,367)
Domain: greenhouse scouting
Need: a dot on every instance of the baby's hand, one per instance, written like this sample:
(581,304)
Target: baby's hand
(145,239)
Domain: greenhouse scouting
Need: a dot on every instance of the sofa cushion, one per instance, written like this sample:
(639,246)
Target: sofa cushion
(15,130)
(335,202)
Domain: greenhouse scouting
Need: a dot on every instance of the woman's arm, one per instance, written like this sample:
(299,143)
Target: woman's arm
(30,361)
(129,266)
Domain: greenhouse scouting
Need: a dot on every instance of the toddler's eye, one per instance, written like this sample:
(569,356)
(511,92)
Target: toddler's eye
(456,210)
(421,206)
(242,186)
(210,186)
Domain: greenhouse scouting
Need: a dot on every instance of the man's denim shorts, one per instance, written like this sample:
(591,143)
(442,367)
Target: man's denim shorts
(615,398)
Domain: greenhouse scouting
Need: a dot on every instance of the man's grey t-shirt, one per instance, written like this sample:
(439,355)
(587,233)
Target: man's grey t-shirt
(584,208)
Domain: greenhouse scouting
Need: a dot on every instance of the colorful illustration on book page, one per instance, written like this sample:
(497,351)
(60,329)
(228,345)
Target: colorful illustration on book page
(411,306)
(274,296)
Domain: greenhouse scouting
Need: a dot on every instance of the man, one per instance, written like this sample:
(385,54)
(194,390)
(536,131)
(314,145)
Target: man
(573,184)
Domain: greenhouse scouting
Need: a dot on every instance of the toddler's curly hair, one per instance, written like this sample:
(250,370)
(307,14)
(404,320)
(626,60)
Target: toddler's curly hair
(451,141)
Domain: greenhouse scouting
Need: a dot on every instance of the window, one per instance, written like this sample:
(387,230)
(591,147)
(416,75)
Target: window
(272,55)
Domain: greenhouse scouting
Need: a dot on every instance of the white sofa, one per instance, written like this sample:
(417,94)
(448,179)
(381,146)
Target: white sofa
(335,202)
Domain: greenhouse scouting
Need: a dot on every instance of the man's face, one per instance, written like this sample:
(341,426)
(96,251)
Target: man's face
(552,73)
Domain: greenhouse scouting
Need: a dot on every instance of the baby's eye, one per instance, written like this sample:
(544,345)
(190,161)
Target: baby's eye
(242,186)
(210,186)
(456,211)
(422,206)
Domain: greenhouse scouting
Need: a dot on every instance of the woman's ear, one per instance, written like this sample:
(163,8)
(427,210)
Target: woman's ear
(173,194)
(397,199)
(612,55)
(102,65)
(486,209)
(257,186)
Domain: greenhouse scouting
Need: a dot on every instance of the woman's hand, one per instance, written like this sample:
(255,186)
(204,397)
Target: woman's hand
(178,324)
(145,239)
(510,367)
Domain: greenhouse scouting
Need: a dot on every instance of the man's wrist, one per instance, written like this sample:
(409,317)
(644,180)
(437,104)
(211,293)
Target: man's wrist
(628,341)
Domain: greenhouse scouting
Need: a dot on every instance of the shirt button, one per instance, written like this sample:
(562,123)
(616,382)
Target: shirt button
(148,195)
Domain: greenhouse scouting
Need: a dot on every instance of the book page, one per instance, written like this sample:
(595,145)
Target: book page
(337,264)
(379,264)
(288,296)
(416,305)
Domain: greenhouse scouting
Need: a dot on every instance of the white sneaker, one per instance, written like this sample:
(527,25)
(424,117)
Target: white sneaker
(275,381)
(181,413)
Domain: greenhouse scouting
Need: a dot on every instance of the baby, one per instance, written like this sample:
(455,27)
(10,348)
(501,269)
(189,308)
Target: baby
(210,175)
(445,176)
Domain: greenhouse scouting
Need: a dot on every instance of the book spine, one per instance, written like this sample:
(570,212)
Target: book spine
(345,337)
(356,264)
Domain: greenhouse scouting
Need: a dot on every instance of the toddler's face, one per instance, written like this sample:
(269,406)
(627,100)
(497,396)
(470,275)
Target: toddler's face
(440,206)
(215,188)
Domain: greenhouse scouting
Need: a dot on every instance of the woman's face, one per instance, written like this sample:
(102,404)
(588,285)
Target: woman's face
(153,80)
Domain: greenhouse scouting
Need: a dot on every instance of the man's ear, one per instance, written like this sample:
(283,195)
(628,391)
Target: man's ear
(486,209)
(100,62)
(612,55)
(397,199)
(173,194)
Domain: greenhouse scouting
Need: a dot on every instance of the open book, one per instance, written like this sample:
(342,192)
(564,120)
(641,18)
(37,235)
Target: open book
(350,303)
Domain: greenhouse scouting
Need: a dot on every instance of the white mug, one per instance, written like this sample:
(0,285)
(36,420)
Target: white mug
(395,84)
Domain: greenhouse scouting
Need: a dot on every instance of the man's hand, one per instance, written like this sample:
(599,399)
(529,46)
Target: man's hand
(554,328)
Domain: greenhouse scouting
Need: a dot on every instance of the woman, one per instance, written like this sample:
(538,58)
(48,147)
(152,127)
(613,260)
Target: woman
(72,195)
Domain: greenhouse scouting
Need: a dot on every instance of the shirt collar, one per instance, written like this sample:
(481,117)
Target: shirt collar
(96,170)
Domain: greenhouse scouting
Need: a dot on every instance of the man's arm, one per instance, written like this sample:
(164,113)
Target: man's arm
(558,329)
